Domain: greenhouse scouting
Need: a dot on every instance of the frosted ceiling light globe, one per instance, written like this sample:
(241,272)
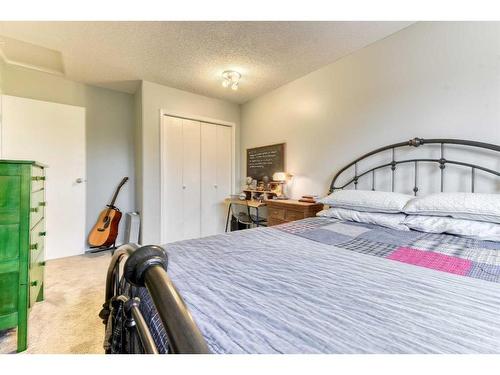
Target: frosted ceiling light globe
(231,78)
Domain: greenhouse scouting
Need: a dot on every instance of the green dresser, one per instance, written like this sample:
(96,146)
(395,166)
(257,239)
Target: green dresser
(22,232)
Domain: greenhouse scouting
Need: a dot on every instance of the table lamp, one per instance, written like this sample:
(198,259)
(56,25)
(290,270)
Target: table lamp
(281,178)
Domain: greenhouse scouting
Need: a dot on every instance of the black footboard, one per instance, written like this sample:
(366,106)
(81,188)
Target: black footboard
(126,330)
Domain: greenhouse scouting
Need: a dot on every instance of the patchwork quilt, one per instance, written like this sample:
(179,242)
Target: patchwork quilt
(442,252)
(321,285)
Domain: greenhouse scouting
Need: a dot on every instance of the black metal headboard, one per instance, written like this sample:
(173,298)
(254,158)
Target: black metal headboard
(416,142)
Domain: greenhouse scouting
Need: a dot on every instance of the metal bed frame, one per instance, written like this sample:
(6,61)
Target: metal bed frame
(415,142)
(146,267)
(133,266)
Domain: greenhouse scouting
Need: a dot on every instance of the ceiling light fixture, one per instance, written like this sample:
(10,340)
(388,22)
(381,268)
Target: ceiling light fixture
(231,79)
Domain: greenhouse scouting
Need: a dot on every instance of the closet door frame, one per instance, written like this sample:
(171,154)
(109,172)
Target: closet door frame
(163,158)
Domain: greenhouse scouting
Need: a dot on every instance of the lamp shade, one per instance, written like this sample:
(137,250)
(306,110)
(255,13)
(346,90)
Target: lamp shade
(280,176)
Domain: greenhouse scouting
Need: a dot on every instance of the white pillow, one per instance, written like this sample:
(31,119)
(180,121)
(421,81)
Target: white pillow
(367,200)
(435,224)
(393,221)
(471,206)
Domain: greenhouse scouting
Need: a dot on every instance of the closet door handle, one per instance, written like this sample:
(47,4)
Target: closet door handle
(184,186)
(215,186)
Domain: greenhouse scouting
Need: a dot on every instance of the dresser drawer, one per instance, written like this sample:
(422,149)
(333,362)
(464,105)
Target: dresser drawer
(276,213)
(37,179)
(37,242)
(37,207)
(36,280)
(291,215)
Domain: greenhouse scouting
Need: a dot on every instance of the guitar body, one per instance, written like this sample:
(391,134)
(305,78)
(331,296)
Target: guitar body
(105,230)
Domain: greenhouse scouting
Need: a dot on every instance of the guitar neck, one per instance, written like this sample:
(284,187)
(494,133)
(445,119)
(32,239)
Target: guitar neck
(112,204)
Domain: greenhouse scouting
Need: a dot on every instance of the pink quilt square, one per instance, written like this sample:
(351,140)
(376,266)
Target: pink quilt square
(430,259)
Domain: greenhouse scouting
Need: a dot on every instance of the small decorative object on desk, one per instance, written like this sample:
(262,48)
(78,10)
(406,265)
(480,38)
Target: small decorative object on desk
(243,196)
(265,181)
(275,187)
(249,182)
(253,185)
(308,198)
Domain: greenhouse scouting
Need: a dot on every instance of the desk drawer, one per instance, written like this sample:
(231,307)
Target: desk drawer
(276,213)
(293,215)
(271,222)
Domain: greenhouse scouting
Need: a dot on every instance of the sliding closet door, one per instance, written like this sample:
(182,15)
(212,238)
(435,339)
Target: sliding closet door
(196,178)
(224,174)
(216,172)
(191,184)
(172,192)
(209,209)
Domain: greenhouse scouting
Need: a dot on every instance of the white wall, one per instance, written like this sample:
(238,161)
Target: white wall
(138,149)
(431,80)
(109,132)
(155,98)
(1,75)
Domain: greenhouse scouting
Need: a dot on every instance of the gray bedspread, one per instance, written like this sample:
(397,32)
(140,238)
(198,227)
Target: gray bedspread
(291,290)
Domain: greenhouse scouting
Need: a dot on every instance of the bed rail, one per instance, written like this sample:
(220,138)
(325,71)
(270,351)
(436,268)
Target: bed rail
(147,267)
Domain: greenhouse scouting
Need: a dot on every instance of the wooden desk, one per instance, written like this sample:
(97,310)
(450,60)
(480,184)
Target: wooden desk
(246,203)
(242,202)
(284,211)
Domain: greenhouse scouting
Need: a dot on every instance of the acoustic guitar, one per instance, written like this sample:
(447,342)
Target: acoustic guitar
(105,230)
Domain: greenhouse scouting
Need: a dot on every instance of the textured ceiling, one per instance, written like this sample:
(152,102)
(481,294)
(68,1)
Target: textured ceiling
(192,55)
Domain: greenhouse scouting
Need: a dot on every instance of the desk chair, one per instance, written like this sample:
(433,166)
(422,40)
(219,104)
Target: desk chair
(247,218)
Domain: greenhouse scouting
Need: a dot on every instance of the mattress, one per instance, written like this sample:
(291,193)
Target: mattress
(321,285)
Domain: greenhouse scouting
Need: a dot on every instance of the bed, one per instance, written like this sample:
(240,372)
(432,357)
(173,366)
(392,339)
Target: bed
(319,285)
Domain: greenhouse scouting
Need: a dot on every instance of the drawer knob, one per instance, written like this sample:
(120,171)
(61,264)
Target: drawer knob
(34,283)
(38,178)
(34,209)
(42,263)
(42,204)
(33,246)
(42,234)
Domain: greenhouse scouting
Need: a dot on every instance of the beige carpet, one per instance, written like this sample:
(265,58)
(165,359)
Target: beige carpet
(67,321)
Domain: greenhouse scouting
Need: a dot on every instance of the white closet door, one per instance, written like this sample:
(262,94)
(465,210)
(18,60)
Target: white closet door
(224,174)
(172,192)
(209,209)
(191,165)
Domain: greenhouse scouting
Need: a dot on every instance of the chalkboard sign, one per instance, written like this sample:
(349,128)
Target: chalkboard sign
(265,161)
